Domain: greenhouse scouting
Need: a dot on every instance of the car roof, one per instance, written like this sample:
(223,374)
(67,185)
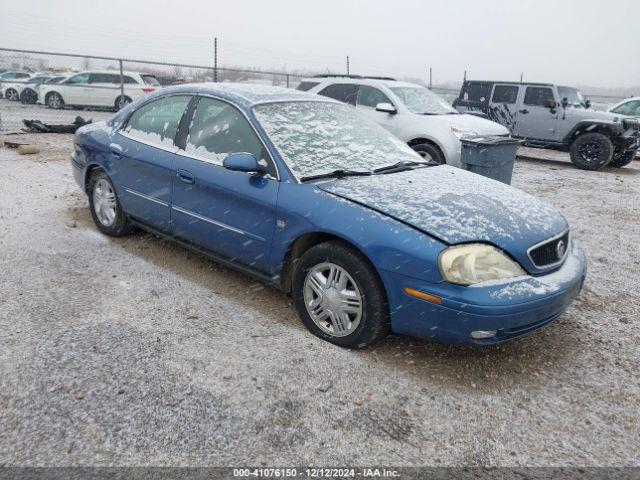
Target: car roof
(116,72)
(247,94)
(507,82)
(362,81)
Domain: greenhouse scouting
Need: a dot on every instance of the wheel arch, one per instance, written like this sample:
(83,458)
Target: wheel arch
(90,170)
(304,242)
(609,130)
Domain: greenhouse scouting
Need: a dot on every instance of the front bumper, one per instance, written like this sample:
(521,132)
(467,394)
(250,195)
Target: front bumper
(511,309)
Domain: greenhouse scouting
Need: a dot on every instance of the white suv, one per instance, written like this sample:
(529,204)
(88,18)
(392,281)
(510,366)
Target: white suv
(412,112)
(98,88)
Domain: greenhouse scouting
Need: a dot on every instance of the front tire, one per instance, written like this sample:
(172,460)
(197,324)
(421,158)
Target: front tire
(340,297)
(28,96)
(54,100)
(105,207)
(621,159)
(591,151)
(121,102)
(429,152)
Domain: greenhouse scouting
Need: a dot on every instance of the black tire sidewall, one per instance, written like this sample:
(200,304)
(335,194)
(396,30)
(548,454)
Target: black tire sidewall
(432,150)
(623,159)
(117,102)
(374,324)
(602,140)
(122,225)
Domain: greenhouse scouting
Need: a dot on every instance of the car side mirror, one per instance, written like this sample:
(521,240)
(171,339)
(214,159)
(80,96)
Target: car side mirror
(587,103)
(244,162)
(565,102)
(386,108)
(551,104)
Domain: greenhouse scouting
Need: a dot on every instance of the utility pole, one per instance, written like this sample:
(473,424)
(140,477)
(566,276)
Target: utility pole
(347,64)
(465,76)
(521,76)
(430,78)
(215,59)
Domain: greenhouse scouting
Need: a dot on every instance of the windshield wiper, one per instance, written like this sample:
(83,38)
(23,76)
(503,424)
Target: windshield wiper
(337,174)
(400,166)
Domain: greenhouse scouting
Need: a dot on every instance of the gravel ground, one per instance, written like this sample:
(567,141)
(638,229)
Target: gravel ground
(135,351)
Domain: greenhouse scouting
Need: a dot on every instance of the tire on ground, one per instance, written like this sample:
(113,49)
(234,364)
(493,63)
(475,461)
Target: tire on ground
(52,103)
(121,102)
(121,226)
(429,151)
(621,159)
(375,320)
(591,151)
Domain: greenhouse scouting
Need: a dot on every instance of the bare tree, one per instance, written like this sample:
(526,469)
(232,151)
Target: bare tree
(86,63)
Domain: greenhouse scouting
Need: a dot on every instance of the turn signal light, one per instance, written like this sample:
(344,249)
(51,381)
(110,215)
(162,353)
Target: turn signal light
(422,295)
(148,90)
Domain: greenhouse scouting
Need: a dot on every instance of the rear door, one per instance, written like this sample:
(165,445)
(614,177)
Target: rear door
(343,92)
(142,153)
(503,107)
(535,119)
(102,88)
(230,213)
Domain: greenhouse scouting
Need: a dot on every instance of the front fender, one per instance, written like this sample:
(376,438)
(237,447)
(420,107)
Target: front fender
(389,244)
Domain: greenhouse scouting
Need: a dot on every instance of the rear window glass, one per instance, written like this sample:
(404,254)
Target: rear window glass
(476,92)
(505,94)
(304,86)
(150,80)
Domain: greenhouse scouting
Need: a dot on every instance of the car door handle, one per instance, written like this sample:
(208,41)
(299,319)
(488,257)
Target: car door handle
(523,111)
(186,177)
(116,150)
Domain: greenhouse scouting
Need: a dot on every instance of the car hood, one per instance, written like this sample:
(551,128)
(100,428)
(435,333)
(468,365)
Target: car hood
(473,123)
(596,115)
(455,206)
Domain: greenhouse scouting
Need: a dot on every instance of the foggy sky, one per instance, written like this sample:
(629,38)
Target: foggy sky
(588,42)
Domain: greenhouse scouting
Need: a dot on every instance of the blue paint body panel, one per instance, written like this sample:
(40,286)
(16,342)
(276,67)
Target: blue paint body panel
(254,221)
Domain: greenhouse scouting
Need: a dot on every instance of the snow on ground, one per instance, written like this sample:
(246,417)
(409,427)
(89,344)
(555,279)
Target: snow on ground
(135,351)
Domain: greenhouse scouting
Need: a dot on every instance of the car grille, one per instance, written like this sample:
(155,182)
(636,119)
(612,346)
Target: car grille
(550,252)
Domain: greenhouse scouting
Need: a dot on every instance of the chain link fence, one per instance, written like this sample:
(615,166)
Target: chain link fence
(55,88)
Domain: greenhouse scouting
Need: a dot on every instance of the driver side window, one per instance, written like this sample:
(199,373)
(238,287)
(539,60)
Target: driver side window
(371,96)
(79,79)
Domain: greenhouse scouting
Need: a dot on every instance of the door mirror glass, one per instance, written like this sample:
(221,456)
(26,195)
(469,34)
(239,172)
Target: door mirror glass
(244,162)
(386,107)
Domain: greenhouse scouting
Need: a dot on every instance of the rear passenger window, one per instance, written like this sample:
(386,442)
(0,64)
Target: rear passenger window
(505,94)
(371,96)
(219,129)
(538,96)
(344,92)
(157,121)
(304,86)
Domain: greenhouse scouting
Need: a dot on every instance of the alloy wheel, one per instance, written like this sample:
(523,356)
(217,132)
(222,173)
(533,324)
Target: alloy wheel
(104,202)
(590,152)
(333,299)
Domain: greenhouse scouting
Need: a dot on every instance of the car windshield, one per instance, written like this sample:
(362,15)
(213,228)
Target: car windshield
(320,137)
(423,101)
(573,96)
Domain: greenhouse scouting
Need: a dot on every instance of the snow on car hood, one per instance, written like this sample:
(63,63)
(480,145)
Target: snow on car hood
(455,206)
(473,123)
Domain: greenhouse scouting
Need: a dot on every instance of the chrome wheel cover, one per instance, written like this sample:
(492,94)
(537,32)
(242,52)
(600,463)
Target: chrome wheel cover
(104,202)
(54,101)
(332,299)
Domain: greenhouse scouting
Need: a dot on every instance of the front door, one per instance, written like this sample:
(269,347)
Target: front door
(367,100)
(142,154)
(536,119)
(230,213)
(74,90)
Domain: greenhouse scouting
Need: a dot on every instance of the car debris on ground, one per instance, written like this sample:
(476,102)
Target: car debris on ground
(37,126)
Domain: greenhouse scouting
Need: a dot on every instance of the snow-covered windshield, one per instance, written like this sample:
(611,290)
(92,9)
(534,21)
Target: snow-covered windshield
(422,100)
(320,137)
(573,96)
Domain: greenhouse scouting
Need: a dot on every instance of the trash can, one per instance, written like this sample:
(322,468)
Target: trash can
(491,156)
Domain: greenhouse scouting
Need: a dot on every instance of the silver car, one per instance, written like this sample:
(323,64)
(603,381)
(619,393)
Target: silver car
(413,113)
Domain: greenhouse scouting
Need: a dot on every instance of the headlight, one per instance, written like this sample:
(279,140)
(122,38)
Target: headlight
(460,133)
(475,263)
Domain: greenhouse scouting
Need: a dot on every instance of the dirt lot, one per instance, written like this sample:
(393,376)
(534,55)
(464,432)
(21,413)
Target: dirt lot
(135,351)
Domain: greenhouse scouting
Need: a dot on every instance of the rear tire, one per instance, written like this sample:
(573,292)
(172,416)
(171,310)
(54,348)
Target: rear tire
(121,102)
(430,152)
(621,159)
(28,96)
(105,207)
(349,305)
(54,100)
(11,94)
(591,151)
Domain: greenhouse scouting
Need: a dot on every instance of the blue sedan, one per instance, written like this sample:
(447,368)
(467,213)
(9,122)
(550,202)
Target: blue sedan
(303,193)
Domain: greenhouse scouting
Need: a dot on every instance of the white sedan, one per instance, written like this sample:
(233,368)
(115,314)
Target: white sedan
(98,88)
